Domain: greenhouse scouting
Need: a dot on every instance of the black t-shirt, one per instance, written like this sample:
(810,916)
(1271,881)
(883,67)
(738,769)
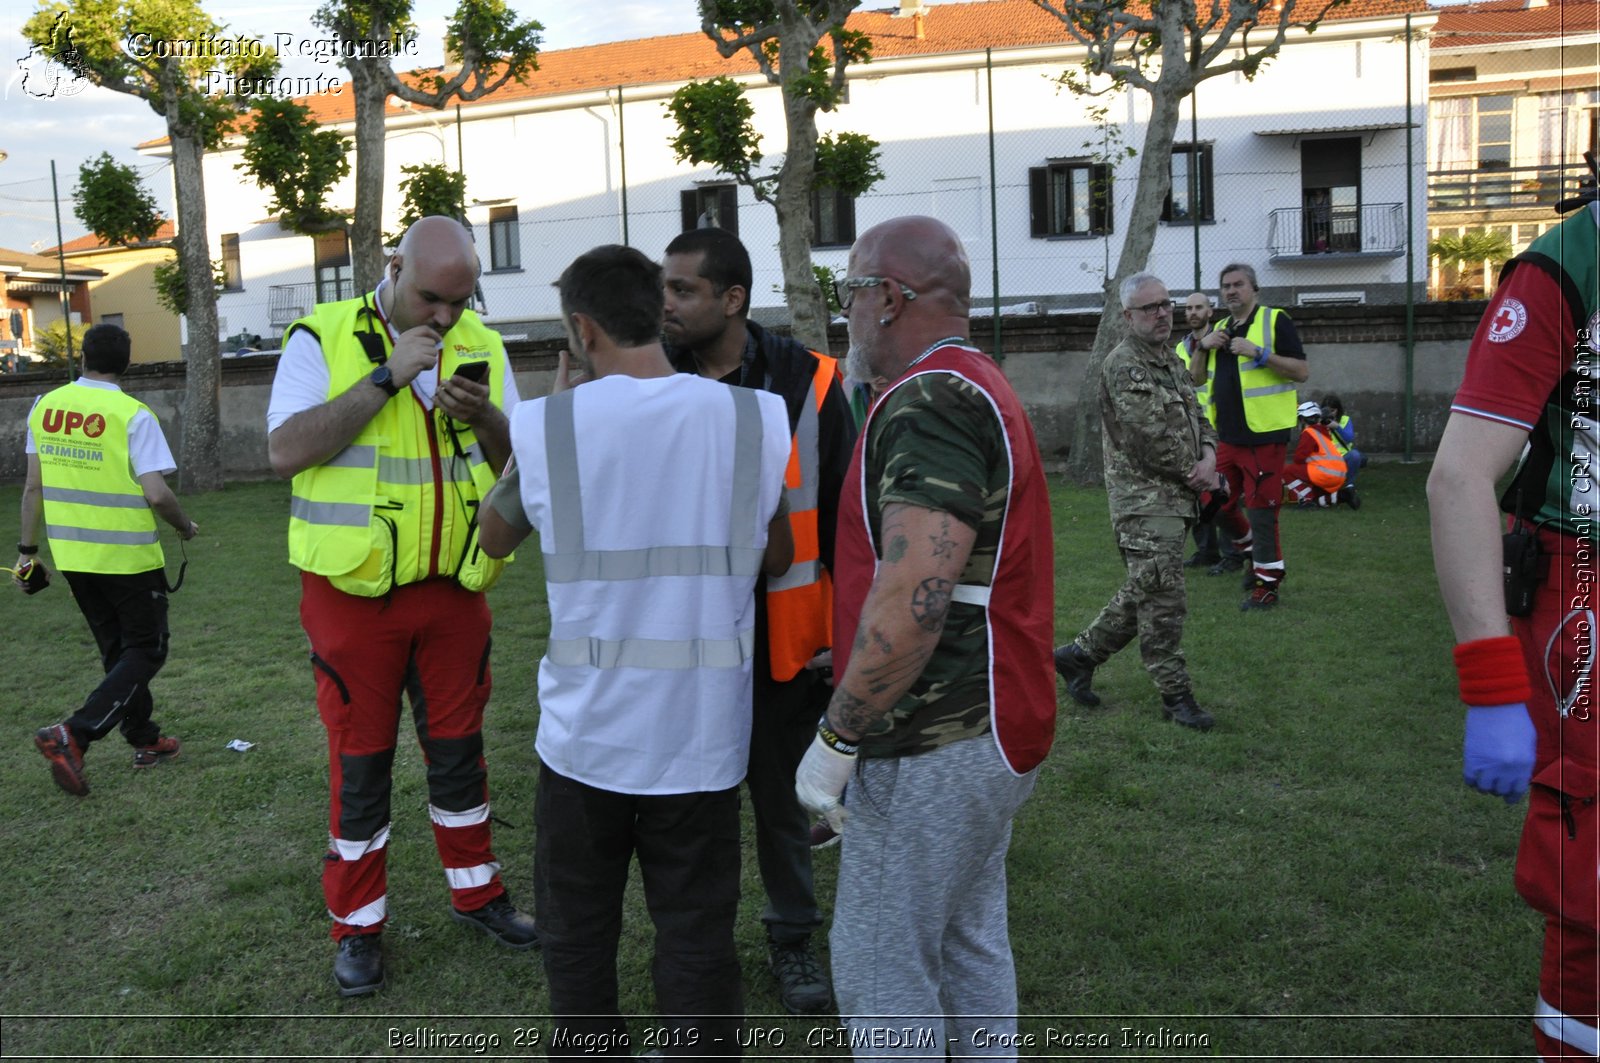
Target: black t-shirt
(1231,425)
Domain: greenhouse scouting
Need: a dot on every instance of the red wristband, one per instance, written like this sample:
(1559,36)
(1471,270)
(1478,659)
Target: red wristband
(1492,672)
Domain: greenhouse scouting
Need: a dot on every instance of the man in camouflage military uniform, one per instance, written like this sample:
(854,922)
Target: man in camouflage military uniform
(1160,453)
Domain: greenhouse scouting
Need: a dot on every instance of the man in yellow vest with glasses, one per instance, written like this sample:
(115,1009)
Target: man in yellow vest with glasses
(96,467)
(1252,361)
(707,278)
(389,411)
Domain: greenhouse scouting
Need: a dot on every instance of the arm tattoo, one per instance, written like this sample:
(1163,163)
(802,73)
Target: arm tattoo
(930,602)
(896,549)
(851,713)
(943,545)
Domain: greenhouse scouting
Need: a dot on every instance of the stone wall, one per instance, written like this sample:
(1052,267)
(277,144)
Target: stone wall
(1356,351)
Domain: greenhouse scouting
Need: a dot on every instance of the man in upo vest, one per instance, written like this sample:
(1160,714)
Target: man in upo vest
(707,277)
(96,467)
(1251,362)
(944,705)
(389,411)
(1211,547)
(1532,721)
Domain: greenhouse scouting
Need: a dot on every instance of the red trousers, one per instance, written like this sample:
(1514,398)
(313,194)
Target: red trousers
(1558,861)
(430,639)
(1255,493)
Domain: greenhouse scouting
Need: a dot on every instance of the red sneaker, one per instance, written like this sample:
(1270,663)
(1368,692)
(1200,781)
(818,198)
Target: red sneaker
(66,759)
(165,748)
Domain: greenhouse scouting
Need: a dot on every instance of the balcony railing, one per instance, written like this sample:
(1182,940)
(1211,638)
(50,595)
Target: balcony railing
(1372,229)
(289,302)
(1517,186)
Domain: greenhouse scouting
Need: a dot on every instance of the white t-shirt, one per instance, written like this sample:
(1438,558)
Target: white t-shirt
(147,447)
(301,382)
(651,559)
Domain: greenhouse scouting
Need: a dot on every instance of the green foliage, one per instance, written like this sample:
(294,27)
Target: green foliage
(1456,251)
(487,31)
(754,26)
(825,277)
(171,292)
(113,202)
(714,127)
(50,343)
(848,162)
(287,152)
(430,189)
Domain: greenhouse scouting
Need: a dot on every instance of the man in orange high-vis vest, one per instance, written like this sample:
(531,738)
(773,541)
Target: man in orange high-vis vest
(707,277)
(1316,474)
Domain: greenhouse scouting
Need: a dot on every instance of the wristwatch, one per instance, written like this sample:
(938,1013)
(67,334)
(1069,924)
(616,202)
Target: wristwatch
(385,380)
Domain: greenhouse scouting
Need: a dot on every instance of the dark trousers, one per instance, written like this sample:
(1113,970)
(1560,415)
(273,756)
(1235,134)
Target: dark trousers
(786,717)
(688,849)
(127,615)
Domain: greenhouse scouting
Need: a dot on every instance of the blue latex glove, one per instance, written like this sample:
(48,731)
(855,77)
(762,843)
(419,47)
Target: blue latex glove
(1497,754)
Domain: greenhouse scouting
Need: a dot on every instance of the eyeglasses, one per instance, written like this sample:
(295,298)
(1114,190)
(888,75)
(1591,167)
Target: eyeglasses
(1154,308)
(845,290)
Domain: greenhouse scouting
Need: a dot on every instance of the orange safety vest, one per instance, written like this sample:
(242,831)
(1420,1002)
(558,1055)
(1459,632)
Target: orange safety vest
(1327,467)
(800,602)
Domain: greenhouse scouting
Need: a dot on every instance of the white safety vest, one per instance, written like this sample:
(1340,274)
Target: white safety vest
(651,499)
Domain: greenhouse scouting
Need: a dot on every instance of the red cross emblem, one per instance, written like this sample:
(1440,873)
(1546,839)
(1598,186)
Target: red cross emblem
(1508,321)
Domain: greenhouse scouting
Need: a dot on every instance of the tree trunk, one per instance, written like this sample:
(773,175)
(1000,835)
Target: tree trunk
(807,309)
(366,232)
(1084,462)
(200,451)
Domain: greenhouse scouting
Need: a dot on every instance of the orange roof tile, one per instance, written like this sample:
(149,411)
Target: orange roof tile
(167,231)
(946,29)
(1513,22)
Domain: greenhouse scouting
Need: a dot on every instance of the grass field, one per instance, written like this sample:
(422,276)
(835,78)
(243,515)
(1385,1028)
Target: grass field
(1309,880)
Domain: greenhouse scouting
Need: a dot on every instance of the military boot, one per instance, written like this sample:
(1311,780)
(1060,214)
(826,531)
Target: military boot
(1182,710)
(1074,665)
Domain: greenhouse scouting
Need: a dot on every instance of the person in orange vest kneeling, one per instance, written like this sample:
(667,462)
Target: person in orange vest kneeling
(1315,477)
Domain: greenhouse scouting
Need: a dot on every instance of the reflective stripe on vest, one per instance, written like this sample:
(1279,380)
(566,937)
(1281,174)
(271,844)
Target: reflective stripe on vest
(366,518)
(1269,400)
(95,513)
(572,560)
(1327,467)
(800,602)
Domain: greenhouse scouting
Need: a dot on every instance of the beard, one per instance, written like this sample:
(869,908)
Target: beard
(857,369)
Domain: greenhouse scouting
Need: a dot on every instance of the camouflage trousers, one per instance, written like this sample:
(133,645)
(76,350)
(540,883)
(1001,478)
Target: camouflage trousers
(1151,603)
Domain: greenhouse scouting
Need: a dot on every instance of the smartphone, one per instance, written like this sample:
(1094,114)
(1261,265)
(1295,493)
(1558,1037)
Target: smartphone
(477,372)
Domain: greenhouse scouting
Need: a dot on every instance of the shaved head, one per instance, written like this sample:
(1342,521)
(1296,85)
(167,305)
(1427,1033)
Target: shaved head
(922,253)
(910,287)
(444,241)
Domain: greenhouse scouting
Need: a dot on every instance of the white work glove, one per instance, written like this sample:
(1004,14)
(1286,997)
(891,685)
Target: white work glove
(822,776)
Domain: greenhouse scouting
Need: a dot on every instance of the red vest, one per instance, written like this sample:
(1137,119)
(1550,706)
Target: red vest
(1021,601)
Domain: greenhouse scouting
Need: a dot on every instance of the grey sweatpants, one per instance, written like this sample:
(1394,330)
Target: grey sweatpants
(921,955)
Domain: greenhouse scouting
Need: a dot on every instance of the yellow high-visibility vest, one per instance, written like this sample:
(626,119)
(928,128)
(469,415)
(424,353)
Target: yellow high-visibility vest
(399,504)
(95,513)
(1270,399)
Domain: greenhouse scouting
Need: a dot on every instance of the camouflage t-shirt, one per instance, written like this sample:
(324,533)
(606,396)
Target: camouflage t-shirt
(936,441)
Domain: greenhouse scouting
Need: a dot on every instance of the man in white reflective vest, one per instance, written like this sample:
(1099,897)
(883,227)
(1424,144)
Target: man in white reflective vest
(96,467)
(707,331)
(658,499)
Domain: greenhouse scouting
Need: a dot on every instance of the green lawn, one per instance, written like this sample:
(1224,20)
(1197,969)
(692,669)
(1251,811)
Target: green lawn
(1308,880)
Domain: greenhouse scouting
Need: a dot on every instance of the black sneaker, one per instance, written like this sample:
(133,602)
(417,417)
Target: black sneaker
(1229,563)
(1073,665)
(501,921)
(1183,711)
(358,965)
(803,987)
(1348,496)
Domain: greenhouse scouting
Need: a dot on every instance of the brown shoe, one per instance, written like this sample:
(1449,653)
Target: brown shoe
(164,748)
(66,759)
